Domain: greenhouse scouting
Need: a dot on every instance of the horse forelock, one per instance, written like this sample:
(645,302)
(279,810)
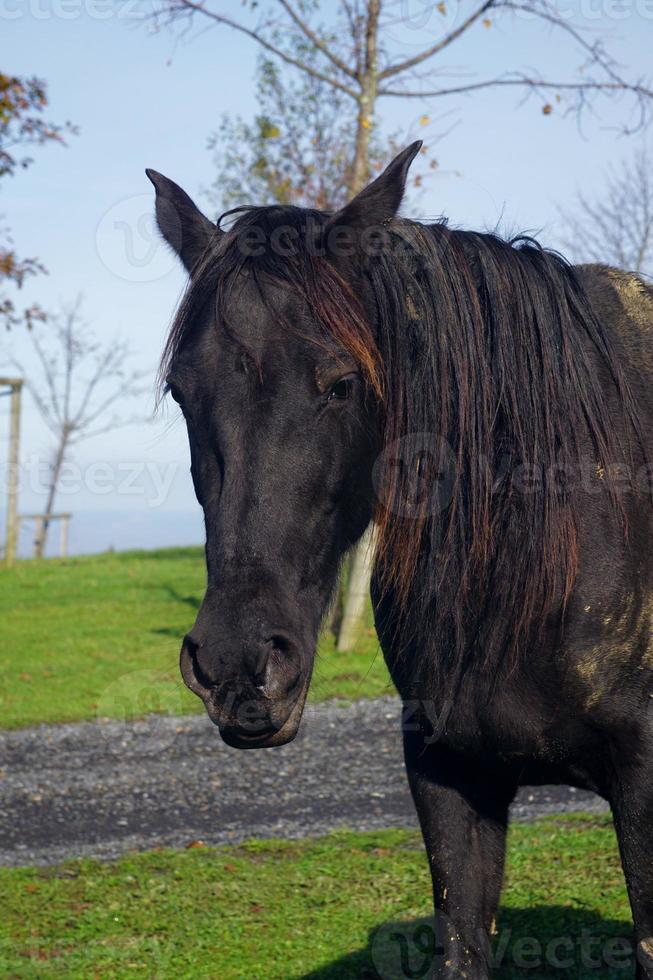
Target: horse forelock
(298,263)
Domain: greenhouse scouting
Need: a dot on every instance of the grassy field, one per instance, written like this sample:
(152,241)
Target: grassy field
(339,908)
(99,637)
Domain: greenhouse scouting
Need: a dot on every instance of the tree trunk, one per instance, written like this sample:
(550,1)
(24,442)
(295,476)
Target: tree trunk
(362,561)
(360,171)
(42,526)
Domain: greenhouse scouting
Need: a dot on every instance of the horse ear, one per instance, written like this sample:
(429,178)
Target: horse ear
(182,224)
(379,202)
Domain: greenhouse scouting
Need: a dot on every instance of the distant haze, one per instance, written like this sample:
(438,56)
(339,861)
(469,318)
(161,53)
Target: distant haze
(118,530)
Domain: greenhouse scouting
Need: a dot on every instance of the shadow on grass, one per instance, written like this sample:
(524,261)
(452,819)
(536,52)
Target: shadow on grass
(542,943)
(186,600)
(191,601)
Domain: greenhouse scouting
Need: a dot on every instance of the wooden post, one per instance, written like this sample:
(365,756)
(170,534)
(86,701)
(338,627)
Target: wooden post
(358,590)
(63,545)
(39,522)
(38,535)
(12,475)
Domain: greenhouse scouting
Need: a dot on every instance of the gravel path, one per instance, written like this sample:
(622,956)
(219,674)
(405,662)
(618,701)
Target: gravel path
(99,789)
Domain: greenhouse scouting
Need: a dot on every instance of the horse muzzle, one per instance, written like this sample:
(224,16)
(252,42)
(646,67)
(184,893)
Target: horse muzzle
(251,712)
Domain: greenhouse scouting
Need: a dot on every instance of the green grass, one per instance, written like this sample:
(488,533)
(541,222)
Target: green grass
(327,909)
(99,637)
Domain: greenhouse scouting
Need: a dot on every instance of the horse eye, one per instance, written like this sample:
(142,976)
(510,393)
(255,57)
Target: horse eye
(341,389)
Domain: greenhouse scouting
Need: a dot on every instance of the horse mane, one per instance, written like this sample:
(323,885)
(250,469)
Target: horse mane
(501,358)
(490,351)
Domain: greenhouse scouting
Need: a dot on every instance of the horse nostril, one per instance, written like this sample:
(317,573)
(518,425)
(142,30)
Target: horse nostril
(191,672)
(280,643)
(191,645)
(261,664)
(267,661)
(281,667)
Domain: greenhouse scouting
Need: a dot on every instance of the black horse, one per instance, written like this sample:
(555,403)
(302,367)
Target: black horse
(490,408)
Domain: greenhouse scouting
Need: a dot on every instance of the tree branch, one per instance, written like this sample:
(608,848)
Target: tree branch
(355,35)
(115,423)
(52,416)
(190,7)
(317,41)
(106,368)
(595,51)
(616,227)
(522,81)
(128,388)
(423,56)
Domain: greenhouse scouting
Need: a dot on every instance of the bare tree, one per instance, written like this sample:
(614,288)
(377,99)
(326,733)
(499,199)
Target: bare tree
(352,53)
(79,390)
(617,226)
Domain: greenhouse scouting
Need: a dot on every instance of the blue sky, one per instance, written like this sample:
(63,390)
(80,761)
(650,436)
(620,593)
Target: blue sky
(142,99)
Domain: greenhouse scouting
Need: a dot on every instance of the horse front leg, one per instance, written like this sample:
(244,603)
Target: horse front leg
(632,808)
(463,814)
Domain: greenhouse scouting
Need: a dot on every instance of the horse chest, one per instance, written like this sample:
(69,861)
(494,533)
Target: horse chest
(515,725)
(524,724)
